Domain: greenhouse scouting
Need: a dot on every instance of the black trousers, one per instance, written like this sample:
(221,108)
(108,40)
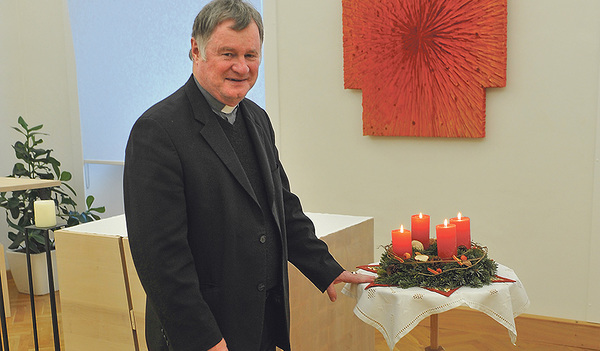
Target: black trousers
(274,325)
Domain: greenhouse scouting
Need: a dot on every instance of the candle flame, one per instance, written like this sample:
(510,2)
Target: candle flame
(420,214)
(459,216)
(446,222)
(401,228)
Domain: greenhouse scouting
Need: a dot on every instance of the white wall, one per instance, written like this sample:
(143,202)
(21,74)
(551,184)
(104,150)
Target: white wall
(528,186)
(37,81)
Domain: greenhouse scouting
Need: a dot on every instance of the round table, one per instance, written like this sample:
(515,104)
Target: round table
(395,311)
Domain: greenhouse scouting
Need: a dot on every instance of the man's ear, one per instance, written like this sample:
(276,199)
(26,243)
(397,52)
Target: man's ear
(195,51)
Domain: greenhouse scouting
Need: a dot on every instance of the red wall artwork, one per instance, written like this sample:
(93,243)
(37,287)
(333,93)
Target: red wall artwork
(423,65)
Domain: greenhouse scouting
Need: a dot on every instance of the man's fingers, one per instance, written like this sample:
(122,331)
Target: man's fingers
(332,293)
(347,277)
(360,278)
(354,278)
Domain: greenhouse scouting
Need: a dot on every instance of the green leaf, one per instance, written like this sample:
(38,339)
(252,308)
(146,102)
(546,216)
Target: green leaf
(53,160)
(38,238)
(19,170)
(65,176)
(89,200)
(13,202)
(68,201)
(34,248)
(15,226)
(19,130)
(14,212)
(35,142)
(56,169)
(12,236)
(70,188)
(15,245)
(21,121)
(84,218)
(38,133)
(37,152)
(38,127)
(60,191)
(21,151)
(45,175)
(101,209)
(72,221)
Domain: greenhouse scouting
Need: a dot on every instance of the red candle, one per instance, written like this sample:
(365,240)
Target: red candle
(419,225)
(463,230)
(401,241)
(446,239)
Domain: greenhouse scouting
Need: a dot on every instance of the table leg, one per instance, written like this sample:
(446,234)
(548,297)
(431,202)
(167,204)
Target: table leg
(31,296)
(4,345)
(52,293)
(434,328)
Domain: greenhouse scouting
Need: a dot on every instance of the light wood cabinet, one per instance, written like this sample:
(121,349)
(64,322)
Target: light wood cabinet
(103,302)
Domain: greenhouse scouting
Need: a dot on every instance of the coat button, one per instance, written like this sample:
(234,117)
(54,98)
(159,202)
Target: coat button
(263,239)
(261,287)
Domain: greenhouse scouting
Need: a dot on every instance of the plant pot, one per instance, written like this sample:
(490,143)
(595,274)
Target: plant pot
(39,272)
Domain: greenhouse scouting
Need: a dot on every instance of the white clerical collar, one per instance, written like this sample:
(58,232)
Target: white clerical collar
(228,109)
(229,113)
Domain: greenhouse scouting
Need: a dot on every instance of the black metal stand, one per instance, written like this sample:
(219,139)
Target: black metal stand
(46,234)
(3,320)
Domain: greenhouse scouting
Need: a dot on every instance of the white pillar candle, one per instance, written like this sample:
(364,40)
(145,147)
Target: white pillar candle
(44,213)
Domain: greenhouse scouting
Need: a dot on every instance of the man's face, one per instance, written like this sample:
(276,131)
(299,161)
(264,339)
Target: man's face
(232,60)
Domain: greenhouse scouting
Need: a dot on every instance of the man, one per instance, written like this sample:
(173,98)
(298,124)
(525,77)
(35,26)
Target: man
(210,216)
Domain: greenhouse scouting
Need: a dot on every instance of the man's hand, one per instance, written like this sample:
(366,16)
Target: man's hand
(221,346)
(347,277)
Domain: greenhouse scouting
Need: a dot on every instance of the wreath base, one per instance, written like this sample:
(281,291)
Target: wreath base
(470,267)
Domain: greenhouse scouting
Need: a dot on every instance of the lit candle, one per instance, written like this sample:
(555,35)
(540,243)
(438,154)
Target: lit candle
(44,213)
(463,230)
(419,225)
(401,241)
(446,239)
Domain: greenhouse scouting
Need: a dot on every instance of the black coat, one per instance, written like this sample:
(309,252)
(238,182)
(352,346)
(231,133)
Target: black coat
(194,224)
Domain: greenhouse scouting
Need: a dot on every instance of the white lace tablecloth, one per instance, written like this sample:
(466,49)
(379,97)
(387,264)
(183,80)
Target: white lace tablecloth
(395,311)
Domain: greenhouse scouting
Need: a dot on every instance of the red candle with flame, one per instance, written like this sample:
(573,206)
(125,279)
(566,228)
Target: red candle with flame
(463,230)
(401,241)
(446,239)
(419,225)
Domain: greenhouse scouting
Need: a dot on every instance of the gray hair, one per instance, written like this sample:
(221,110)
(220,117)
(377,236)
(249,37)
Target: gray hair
(217,11)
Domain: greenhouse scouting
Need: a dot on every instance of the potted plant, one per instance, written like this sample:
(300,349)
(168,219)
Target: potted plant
(37,162)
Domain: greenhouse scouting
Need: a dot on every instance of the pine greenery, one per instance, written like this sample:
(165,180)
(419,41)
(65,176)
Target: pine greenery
(412,273)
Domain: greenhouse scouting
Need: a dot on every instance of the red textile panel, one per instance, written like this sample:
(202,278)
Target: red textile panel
(423,65)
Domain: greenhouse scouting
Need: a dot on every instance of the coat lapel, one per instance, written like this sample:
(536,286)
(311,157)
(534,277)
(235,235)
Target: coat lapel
(215,137)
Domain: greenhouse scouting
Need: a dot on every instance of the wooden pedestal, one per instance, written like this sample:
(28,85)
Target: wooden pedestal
(103,302)
(316,322)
